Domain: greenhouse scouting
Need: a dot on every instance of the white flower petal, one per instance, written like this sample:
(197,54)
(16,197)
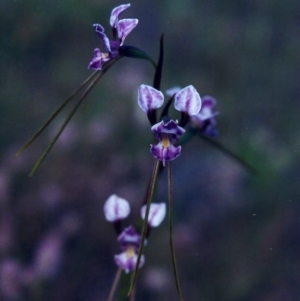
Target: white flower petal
(116,208)
(149,98)
(157,214)
(188,100)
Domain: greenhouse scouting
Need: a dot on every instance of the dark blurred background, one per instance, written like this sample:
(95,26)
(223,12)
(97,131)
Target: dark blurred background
(237,236)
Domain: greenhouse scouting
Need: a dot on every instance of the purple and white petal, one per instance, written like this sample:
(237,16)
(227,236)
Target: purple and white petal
(163,153)
(188,101)
(98,27)
(206,111)
(157,213)
(96,62)
(149,98)
(129,236)
(205,121)
(116,208)
(124,27)
(170,128)
(103,37)
(127,261)
(114,16)
(170,92)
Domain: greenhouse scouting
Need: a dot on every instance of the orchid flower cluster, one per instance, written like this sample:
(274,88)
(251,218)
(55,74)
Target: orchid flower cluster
(120,30)
(117,209)
(168,131)
(198,118)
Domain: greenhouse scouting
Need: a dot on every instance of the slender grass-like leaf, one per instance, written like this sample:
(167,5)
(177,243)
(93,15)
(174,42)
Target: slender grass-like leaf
(114,285)
(170,198)
(230,154)
(145,225)
(85,94)
(58,110)
(227,152)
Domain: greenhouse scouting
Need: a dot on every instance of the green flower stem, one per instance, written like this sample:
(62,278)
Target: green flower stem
(192,133)
(115,284)
(134,52)
(61,107)
(145,225)
(85,94)
(230,154)
(170,197)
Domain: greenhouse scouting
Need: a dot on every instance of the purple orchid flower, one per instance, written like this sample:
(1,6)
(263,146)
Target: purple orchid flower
(205,121)
(120,29)
(167,131)
(117,209)
(129,241)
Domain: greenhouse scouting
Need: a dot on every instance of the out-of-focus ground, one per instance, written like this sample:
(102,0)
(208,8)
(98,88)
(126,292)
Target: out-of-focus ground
(237,236)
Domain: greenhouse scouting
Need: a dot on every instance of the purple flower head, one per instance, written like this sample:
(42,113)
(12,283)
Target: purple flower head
(167,133)
(157,214)
(129,241)
(120,28)
(116,208)
(205,120)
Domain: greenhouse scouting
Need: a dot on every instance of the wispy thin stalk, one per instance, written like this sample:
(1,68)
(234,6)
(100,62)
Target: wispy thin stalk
(145,225)
(170,198)
(230,154)
(227,152)
(58,110)
(133,294)
(114,285)
(85,94)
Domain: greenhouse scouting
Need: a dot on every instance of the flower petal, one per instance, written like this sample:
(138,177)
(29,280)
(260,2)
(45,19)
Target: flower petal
(206,111)
(124,27)
(157,214)
(149,98)
(165,153)
(129,236)
(128,263)
(188,101)
(114,16)
(170,92)
(205,121)
(116,208)
(103,37)
(96,62)
(170,128)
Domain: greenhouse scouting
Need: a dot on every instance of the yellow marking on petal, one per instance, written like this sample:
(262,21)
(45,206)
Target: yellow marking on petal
(130,252)
(165,142)
(104,55)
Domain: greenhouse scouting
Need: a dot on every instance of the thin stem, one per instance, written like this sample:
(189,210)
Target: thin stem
(230,154)
(227,152)
(170,197)
(132,296)
(57,111)
(85,94)
(114,285)
(145,224)
(51,144)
